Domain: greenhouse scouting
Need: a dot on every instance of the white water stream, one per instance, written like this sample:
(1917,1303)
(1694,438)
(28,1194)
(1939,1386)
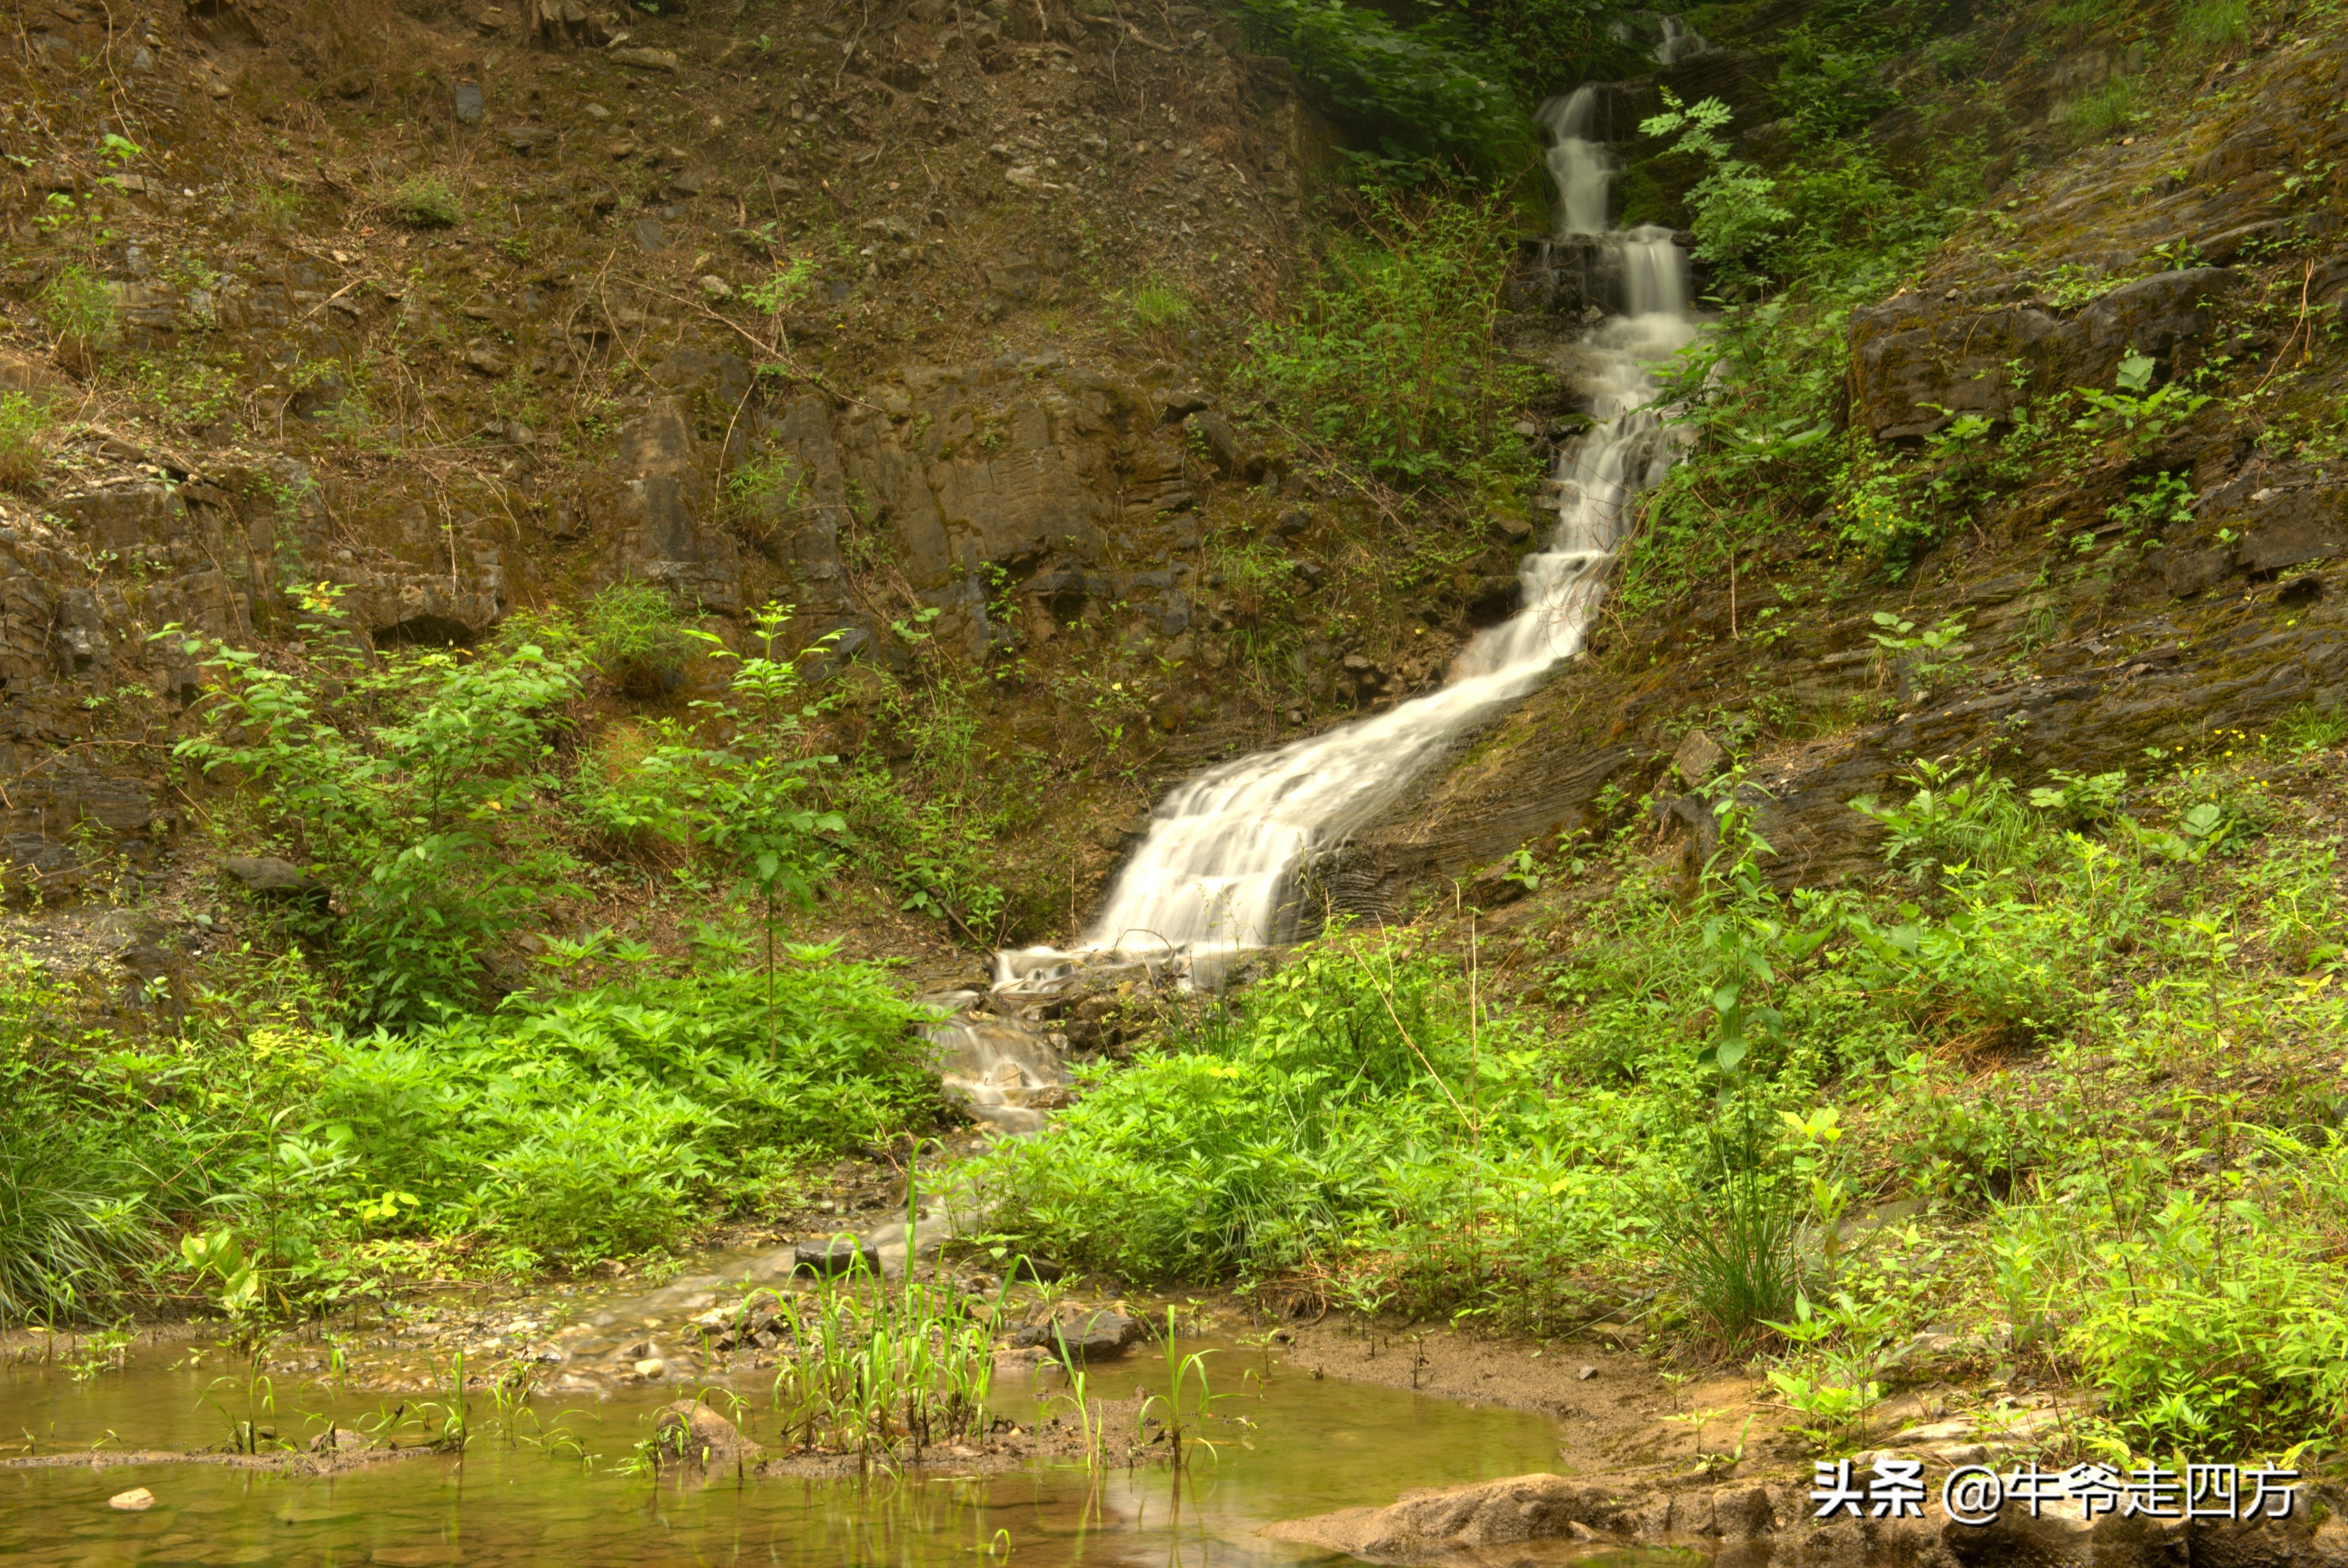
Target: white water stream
(1219,871)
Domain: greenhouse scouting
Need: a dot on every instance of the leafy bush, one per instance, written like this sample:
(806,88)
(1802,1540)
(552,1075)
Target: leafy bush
(1824,92)
(589,1124)
(1737,211)
(403,791)
(1389,358)
(425,202)
(1427,95)
(2213,1325)
(1249,1140)
(1947,820)
(24,440)
(2104,109)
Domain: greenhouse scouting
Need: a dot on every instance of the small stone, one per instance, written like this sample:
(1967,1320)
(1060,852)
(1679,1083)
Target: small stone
(138,1500)
(597,111)
(1024,174)
(1526,427)
(1582,1374)
(1291,523)
(1513,528)
(340,1441)
(650,1367)
(625,147)
(488,361)
(646,59)
(716,287)
(468,102)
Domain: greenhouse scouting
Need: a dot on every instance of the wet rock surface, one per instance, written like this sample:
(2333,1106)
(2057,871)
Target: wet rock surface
(1763,1522)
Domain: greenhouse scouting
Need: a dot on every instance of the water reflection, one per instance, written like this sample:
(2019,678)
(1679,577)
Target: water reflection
(1288,1445)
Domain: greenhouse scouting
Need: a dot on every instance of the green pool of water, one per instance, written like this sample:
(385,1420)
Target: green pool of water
(1287,1445)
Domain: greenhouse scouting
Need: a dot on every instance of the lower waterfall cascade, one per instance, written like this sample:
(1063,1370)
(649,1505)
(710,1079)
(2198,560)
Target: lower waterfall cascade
(1219,871)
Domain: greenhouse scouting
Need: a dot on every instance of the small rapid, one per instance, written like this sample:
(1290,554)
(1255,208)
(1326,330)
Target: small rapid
(1220,869)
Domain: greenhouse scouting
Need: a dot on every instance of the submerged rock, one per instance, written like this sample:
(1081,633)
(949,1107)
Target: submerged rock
(835,1254)
(1094,1335)
(688,1432)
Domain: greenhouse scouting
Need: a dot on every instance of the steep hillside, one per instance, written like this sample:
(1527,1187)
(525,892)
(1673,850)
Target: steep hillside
(561,564)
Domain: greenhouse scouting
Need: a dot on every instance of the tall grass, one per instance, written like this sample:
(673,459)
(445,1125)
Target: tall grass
(24,440)
(2217,24)
(73,1228)
(878,1371)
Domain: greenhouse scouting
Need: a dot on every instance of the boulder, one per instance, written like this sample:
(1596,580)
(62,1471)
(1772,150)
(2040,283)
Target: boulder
(1463,1519)
(1698,758)
(1095,1336)
(1919,360)
(690,1432)
(267,877)
(833,1254)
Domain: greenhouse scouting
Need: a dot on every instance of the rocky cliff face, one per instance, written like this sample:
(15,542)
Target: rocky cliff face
(2206,242)
(474,311)
(471,312)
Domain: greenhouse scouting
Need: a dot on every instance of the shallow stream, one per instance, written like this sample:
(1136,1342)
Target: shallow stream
(1287,1444)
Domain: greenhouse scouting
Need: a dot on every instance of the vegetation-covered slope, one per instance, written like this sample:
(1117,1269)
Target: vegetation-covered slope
(519,532)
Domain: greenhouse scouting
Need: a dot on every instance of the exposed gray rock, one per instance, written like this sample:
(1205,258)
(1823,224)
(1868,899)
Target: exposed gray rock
(834,1254)
(1095,1336)
(690,1432)
(1698,758)
(268,877)
(1919,360)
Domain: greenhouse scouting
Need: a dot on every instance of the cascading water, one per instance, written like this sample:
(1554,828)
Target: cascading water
(1219,869)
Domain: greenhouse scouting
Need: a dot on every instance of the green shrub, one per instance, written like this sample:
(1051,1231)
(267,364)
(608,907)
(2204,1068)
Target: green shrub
(634,636)
(24,440)
(592,1123)
(2102,110)
(1949,820)
(1152,305)
(1425,95)
(1388,358)
(2212,1325)
(427,201)
(2217,24)
(79,309)
(407,787)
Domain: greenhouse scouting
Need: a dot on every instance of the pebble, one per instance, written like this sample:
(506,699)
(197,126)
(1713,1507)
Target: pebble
(138,1500)
(651,1367)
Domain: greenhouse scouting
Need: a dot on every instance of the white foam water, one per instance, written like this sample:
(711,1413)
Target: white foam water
(1222,868)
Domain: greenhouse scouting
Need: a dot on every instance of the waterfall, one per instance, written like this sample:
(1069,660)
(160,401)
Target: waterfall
(1219,870)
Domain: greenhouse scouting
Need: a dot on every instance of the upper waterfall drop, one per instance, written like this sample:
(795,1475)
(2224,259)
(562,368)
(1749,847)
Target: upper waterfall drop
(1217,871)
